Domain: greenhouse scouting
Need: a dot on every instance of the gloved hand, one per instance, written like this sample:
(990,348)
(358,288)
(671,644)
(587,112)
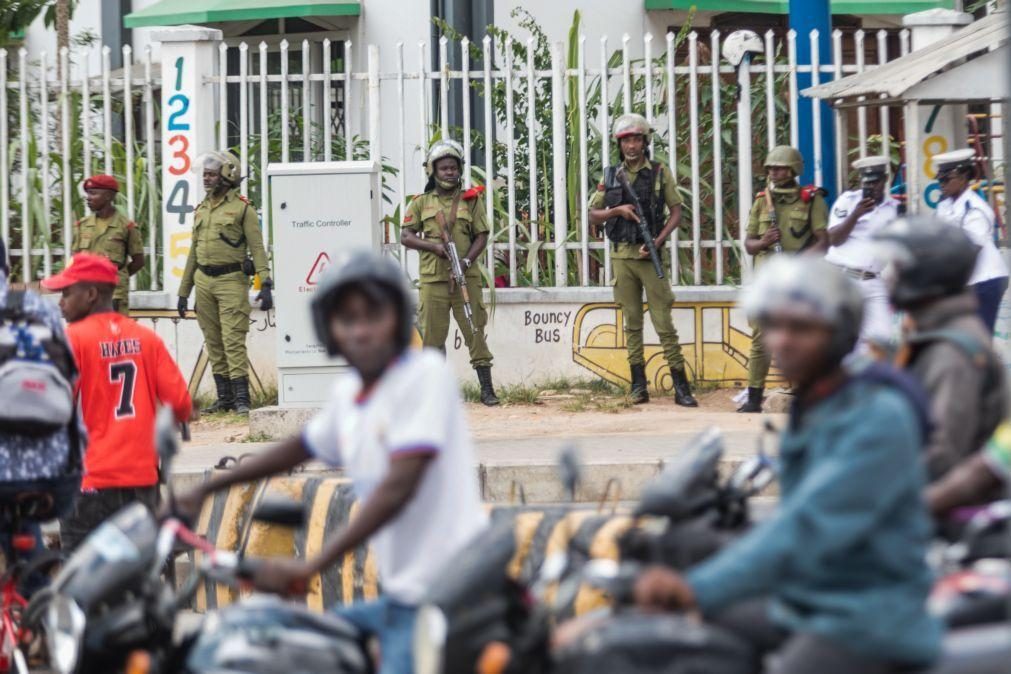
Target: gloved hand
(265,297)
(182,306)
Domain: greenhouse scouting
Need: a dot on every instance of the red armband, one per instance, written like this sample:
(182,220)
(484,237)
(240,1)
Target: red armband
(473,193)
(809,192)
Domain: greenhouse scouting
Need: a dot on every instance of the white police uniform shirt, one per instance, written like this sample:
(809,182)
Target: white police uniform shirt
(414,408)
(971,212)
(857,253)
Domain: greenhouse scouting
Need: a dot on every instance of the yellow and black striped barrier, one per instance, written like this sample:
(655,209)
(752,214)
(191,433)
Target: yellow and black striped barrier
(330,503)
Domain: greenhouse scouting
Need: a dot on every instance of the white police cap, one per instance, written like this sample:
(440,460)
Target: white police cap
(872,167)
(954,159)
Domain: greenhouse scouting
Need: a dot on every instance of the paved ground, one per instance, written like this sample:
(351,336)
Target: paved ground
(519,444)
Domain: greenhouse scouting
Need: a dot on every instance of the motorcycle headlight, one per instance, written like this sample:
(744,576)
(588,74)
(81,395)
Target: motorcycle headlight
(64,626)
(429,639)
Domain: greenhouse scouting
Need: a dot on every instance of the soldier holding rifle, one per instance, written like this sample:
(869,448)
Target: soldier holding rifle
(630,203)
(785,218)
(448,227)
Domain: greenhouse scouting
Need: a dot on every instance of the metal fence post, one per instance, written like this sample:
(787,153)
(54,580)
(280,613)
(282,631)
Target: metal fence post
(558,165)
(189,59)
(744,161)
(375,150)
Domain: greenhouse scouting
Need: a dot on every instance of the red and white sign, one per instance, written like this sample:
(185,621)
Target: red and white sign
(318,267)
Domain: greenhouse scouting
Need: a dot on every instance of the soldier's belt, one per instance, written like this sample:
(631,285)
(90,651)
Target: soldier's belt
(220,269)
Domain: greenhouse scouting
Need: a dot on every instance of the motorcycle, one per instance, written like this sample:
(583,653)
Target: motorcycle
(478,619)
(111,609)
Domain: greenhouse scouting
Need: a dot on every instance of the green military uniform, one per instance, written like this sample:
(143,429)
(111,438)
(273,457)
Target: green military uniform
(118,239)
(436,300)
(632,275)
(224,229)
(799,221)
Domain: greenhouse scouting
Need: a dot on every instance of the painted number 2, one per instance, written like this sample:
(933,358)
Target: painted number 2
(124,374)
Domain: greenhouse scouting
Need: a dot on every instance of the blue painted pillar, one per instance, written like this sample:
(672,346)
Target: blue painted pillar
(805,16)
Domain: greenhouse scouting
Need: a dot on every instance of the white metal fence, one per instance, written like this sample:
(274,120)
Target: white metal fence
(70,122)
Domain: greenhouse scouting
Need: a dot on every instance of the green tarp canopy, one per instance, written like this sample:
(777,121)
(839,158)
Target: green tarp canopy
(178,12)
(783,6)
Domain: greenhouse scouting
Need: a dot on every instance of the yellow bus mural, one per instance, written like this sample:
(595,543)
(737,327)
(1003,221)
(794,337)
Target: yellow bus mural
(598,344)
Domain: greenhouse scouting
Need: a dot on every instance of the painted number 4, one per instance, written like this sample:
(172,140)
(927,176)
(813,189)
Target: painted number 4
(124,374)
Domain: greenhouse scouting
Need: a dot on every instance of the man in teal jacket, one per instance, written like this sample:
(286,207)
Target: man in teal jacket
(837,580)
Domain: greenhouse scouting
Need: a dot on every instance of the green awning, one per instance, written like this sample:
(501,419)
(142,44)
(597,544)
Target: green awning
(178,12)
(857,7)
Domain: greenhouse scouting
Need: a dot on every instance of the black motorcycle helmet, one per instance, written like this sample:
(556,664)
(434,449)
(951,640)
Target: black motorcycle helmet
(926,259)
(362,268)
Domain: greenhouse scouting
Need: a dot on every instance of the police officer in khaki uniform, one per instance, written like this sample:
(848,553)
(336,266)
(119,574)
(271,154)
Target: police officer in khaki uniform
(226,232)
(463,214)
(110,233)
(800,226)
(656,189)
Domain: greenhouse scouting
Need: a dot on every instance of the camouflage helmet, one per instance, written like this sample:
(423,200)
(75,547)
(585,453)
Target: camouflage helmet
(225,164)
(440,150)
(784,155)
(631,124)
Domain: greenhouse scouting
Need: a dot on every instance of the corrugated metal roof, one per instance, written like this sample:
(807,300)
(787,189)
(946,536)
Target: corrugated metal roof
(896,77)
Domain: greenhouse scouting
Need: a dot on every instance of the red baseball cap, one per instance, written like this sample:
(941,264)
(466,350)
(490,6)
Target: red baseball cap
(84,268)
(101,182)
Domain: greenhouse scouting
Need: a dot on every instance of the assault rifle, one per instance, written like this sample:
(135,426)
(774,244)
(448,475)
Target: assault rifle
(456,272)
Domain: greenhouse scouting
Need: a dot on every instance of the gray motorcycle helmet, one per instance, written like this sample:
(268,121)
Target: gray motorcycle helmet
(361,266)
(812,289)
(925,258)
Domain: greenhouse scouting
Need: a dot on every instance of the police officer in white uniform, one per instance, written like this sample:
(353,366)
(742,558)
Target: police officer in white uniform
(856,216)
(963,207)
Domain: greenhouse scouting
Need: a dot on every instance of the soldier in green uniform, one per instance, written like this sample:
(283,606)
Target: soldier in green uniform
(226,232)
(463,214)
(655,186)
(110,233)
(801,225)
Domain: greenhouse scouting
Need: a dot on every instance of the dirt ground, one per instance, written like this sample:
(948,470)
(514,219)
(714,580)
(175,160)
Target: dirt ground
(554,415)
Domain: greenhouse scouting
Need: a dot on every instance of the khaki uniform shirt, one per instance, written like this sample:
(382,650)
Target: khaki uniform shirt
(230,217)
(667,185)
(116,238)
(793,215)
(471,220)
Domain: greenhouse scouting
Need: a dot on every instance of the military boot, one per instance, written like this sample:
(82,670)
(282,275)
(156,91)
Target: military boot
(488,396)
(754,402)
(639,392)
(241,388)
(682,389)
(226,399)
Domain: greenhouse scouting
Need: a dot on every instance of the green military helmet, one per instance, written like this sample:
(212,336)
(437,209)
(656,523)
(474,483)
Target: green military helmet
(631,124)
(225,163)
(440,150)
(784,155)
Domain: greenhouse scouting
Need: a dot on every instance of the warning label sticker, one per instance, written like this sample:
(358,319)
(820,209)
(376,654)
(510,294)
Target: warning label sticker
(318,267)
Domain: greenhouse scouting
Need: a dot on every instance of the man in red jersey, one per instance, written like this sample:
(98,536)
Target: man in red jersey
(126,373)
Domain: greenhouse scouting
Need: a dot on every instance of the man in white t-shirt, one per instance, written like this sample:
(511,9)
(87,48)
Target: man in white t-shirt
(856,216)
(397,426)
(962,207)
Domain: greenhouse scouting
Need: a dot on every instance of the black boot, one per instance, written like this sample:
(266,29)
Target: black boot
(754,403)
(241,388)
(639,392)
(488,396)
(682,389)
(226,399)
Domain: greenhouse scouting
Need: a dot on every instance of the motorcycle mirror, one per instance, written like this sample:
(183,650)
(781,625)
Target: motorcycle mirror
(166,437)
(280,511)
(569,469)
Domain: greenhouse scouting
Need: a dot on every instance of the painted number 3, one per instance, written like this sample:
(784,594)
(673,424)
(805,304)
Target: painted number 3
(124,374)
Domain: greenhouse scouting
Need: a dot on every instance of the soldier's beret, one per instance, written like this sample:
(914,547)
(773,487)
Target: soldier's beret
(101,182)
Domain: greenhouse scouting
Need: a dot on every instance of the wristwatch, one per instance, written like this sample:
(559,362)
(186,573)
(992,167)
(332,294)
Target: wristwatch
(466,262)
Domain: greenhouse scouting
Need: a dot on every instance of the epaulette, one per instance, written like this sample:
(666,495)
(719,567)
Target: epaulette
(473,193)
(131,225)
(760,195)
(809,192)
(243,197)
